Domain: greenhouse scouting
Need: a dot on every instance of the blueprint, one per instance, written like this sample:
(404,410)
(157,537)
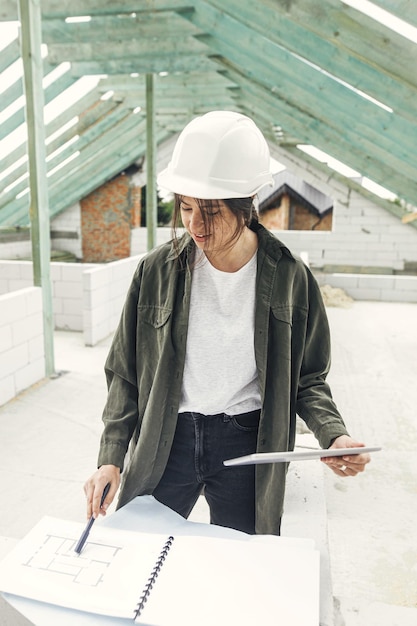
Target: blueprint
(44,566)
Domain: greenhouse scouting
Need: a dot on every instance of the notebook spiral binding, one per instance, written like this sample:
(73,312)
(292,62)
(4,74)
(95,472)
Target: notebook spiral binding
(153,576)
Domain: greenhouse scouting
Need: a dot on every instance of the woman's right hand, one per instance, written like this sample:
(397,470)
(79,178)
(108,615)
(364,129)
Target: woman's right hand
(94,488)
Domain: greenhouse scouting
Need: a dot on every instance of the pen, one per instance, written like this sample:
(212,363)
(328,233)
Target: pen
(90,522)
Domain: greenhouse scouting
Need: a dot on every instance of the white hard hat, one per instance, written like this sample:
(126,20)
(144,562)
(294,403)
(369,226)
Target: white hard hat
(219,155)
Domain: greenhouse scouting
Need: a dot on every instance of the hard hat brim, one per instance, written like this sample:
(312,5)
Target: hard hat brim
(198,189)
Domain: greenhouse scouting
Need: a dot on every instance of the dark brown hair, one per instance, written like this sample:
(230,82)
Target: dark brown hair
(242,208)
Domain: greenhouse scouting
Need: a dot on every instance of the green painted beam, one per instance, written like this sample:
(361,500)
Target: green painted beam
(150,160)
(144,48)
(404,9)
(182,103)
(12,93)
(325,139)
(15,90)
(97,129)
(9,54)
(192,82)
(96,122)
(103,168)
(117,28)
(273,22)
(369,140)
(258,101)
(354,33)
(30,19)
(306,87)
(59,181)
(155,64)
(72,8)
(53,90)
(84,104)
(374,136)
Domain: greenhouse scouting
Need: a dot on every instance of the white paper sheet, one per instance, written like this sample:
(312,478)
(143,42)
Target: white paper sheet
(216,581)
(106,578)
(234,583)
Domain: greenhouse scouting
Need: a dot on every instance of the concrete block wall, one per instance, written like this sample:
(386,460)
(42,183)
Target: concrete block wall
(18,249)
(67,293)
(66,231)
(86,298)
(22,354)
(67,290)
(104,292)
(373,287)
(364,233)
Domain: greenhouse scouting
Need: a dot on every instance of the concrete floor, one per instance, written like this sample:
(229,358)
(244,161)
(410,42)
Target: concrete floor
(49,439)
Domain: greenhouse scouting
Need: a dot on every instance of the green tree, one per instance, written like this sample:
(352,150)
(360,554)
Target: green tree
(164,210)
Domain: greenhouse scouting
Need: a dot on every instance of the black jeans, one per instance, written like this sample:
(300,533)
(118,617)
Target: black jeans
(201,444)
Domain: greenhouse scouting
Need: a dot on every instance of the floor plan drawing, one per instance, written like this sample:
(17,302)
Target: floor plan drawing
(106,578)
(56,554)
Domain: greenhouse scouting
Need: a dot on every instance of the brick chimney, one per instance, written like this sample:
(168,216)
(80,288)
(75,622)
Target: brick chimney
(107,216)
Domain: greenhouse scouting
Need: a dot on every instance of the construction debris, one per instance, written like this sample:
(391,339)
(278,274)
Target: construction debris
(334,296)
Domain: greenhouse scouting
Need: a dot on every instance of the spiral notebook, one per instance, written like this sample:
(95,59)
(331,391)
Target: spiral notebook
(157,580)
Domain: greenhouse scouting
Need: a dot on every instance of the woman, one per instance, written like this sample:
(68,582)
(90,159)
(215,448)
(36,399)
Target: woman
(222,341)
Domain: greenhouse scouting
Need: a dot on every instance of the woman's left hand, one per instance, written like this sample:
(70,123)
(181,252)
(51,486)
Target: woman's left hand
(347,465)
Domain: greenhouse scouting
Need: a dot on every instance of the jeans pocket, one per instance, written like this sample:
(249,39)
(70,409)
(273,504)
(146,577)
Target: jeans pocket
(246,421)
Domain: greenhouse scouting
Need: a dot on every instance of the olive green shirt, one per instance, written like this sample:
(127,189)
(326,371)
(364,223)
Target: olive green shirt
(145,365)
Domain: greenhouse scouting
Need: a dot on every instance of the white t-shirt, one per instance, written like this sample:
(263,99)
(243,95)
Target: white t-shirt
(220,374)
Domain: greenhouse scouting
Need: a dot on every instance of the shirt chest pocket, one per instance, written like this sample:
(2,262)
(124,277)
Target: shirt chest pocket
(287,324)
(154,316)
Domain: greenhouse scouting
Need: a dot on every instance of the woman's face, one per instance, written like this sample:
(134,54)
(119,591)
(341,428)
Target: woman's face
(208,234)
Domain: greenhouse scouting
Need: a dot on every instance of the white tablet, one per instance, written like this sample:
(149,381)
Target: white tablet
(305,455)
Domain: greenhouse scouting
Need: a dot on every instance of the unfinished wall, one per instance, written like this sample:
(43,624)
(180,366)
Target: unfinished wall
(22,361)
(86,298)
(67,289)
(364,233)
(66,231)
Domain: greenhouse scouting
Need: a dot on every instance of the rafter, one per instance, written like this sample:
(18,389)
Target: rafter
(308,90)
(277,25)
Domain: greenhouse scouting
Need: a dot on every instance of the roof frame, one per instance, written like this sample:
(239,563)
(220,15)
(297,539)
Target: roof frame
(294,67)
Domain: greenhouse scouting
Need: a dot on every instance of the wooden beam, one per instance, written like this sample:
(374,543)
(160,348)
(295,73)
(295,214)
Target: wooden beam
(30,19)
(117,28)
(9,54)
(79,107)
(73,8)
(53,90)
(151,201)
(276,24)
(258,101)
(96,129)
(99,172)
(307,88)
(84,166)
(144,48)
(404,9)
(354,32)
(148,65)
